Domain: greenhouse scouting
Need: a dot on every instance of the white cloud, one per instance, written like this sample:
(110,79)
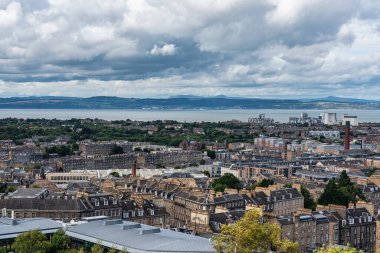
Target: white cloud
(167,49)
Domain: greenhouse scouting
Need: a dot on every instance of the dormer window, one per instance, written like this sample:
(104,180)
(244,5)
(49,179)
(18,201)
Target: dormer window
(96,202)
(140,212)
(369,218)
(133,213)
(351,221)
(125,214)
(151,211)
(106,202)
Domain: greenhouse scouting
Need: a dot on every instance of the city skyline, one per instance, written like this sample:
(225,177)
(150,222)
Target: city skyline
(263,49)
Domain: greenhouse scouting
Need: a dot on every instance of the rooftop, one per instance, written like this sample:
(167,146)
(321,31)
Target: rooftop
(11,228)
(138,238)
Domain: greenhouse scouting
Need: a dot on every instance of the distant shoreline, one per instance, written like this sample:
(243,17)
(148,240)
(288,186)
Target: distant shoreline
(188,115)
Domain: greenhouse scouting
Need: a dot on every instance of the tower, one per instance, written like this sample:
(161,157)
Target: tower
(347,136)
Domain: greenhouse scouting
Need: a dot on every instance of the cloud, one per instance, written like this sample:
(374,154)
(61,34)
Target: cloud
(233,47)
(167,49)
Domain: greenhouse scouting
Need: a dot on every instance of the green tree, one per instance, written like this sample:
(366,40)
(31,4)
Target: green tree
(308,200)
(117,150)
(32,241)
(211,154)
(251,234)
(97,248)
(336,249)
(112,250)
(263,183)
(81,250)
(59,240)
(228,180)
(340,192)
(115,174)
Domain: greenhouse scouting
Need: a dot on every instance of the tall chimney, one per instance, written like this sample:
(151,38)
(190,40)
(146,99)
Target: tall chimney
(347,136)
(134,168)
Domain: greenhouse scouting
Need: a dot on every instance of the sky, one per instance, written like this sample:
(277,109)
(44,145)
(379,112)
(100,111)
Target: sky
(162,48)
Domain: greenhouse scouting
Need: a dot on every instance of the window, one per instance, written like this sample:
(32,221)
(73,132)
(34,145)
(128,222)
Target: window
(151,211)
(96,202)
(140,212)
(106,202)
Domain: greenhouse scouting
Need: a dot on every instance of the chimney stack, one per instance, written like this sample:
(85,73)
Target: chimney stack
(347,136)
(134,168)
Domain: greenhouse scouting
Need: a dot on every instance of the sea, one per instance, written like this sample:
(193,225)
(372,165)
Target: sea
(278,115)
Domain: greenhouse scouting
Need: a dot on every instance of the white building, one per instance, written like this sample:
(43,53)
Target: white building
(352,119)
(329,118)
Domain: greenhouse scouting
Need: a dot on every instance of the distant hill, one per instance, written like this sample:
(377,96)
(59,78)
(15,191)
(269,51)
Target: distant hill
(184,102)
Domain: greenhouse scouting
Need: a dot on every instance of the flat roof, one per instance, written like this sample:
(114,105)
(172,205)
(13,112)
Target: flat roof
(138,238)
(11,228)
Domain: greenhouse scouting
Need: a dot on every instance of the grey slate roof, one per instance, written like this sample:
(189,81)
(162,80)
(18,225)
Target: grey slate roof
(138,238)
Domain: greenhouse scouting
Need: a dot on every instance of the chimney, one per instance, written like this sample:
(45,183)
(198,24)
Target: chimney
(134,168)
(347,136)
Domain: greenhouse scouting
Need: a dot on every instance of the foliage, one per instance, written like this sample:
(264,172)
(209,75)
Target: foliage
(116,150)
(340,192)
(228,180)
(336,249)
(59,240)
(211,154)
(11,188)
(290,185)
(32,241)
(63,150)
(81,250)
(115,174)
(250,234)
(112,250)
(263,183)
(97,248)
(207,173)
(308,200)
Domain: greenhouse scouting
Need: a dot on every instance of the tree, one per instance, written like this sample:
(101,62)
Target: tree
(81,250)
(336,249)
(211,154)
(112,250)
(32,241)
(251,234)
(340,192)
(308,200)
(115,174)
(59,240)
(97,248)
(228,180)
(263,183)
(117,150)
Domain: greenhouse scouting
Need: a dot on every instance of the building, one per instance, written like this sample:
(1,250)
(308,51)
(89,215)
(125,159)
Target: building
(136,238)
(352,119)
(145,212)
(66,177)
(329,118)
(358,229)
(310,230)
(326,134)
(63,207)
(11,228)
(103,148)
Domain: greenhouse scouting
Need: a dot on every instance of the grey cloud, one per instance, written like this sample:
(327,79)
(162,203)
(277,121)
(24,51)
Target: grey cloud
(237,47)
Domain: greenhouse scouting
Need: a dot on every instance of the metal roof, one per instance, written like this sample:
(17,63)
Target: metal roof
(11,228)
(138,238)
